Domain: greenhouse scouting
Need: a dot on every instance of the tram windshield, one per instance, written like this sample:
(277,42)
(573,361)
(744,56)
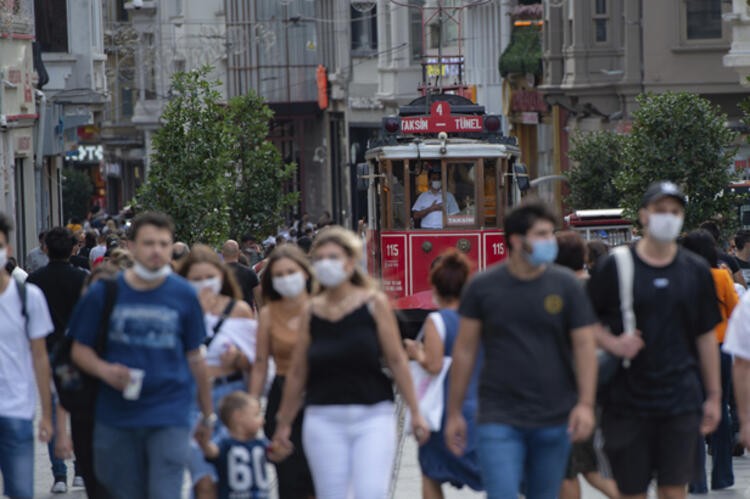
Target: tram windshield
(442,194)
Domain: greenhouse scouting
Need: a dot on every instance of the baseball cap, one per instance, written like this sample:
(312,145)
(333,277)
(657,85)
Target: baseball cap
(662,189)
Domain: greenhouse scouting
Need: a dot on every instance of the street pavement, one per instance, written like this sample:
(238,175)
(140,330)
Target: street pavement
(408,483)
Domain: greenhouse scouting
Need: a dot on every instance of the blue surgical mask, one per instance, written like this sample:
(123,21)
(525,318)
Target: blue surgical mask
(542,252)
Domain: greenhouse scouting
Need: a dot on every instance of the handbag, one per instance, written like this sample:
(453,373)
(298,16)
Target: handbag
(609,364)
(430,388)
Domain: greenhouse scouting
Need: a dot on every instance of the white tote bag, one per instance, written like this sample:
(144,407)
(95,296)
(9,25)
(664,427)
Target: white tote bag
(429,387)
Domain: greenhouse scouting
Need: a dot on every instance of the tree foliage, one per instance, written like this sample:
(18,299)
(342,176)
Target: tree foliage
(680,137)
(200,168)
(77,189)
(258,201)
(598,157)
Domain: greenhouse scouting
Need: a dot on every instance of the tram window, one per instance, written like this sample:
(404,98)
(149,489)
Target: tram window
(461,185)
(490,192)
(397,195)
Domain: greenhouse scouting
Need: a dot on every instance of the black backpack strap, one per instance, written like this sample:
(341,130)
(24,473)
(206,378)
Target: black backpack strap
(110,296)
(224,316)
(21,287)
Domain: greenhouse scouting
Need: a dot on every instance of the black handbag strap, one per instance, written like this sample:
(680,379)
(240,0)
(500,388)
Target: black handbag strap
(224,316)
(102,336)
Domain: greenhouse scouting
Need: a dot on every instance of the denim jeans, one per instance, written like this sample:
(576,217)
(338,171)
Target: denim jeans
(721,441)
(17,457)
(508,455)
(59,469)
(141,462)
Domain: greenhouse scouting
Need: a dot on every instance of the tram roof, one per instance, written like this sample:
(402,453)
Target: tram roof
(454,149)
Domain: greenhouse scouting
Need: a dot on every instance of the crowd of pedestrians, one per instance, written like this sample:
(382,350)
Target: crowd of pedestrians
(569,359)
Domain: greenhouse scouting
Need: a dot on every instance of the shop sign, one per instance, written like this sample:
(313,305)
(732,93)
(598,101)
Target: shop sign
(529,118)
(87,154)
(527,101)
(23,144)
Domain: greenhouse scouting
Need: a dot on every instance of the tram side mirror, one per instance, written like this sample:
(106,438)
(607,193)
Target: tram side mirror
(363,172)
(521,176)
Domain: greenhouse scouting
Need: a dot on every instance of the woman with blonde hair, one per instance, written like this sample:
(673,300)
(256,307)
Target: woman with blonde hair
(287,285)
(349,429)
(230,340)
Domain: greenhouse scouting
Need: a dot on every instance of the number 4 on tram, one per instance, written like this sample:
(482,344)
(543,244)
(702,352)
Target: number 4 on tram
(479,175)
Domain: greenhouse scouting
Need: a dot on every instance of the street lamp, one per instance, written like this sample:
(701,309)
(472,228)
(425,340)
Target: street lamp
(363,5)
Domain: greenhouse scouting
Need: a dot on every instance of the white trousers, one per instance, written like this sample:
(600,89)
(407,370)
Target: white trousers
(350,449)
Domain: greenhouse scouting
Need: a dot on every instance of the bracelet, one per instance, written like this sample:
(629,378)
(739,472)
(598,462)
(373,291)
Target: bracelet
(209,420)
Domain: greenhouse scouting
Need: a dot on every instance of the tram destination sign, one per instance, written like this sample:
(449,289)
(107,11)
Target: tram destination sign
(440,119)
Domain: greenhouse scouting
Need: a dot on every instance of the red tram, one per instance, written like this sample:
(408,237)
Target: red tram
(480,176)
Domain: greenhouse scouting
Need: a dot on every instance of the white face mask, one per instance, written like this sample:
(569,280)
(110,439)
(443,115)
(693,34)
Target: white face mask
(151,275)
(330,272)
(436,184)
(212,283)
(3,257)
(290,285)
(664,227)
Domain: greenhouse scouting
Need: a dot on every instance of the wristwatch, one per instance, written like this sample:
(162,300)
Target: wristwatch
(209,420)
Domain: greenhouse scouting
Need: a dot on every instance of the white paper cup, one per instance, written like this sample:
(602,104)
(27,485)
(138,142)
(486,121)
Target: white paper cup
(133,390)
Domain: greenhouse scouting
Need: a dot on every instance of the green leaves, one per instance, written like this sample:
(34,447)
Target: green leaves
(598,157)
(212,169)
(680,137)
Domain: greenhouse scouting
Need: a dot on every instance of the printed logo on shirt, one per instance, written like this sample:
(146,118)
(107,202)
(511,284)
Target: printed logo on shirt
(661,282)
(553,304)
(141,325)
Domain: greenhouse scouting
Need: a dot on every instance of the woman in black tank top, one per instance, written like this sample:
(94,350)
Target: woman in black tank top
(350,426)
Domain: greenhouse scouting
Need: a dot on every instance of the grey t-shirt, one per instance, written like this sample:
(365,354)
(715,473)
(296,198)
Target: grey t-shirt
(527,379)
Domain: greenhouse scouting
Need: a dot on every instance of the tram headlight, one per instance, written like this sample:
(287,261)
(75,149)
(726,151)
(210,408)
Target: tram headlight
(391,129)
(492,123)
(392,124)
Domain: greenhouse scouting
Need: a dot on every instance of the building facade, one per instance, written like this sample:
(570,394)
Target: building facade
(296,55)
(19,120)
(73,95)
(377,56)
(738,57)
(599,55)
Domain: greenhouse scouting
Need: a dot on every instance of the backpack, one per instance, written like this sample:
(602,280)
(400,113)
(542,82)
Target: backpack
(21,287)
(76,389)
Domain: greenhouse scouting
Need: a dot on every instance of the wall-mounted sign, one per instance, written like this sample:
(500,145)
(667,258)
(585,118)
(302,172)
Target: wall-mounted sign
(87,154)
(445,66)
(530,118)
(23,144)
(527,101)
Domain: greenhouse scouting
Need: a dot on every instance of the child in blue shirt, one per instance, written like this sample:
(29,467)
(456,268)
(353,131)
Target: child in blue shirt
(240,458)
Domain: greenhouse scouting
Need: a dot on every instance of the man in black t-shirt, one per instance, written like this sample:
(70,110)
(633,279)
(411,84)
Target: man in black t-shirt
(534,323)
(246,277)
(655,409)
(61,283)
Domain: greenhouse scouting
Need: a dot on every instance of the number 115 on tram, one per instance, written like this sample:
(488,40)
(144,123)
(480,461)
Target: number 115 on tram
(440,176)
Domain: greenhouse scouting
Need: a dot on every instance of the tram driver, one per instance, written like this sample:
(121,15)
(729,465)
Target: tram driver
(428,209)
